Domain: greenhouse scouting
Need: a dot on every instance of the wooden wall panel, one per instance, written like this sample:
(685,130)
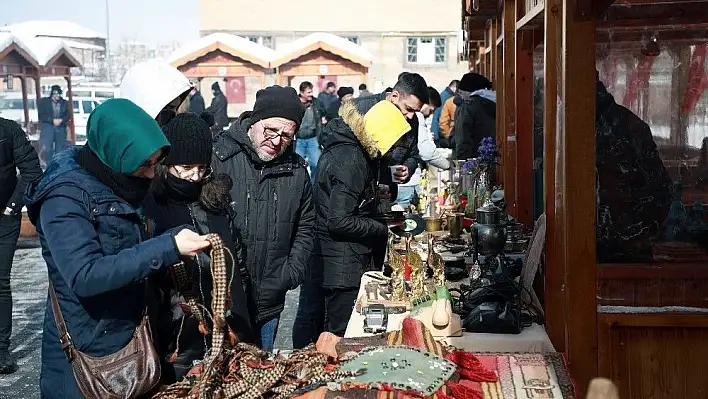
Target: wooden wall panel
(655,356)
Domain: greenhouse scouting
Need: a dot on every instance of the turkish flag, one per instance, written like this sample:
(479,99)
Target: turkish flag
(236,90)
(697,79)
(639,78)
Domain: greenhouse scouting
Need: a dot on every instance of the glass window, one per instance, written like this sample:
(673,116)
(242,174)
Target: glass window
(353,39)
(440,49)
(267,42)
(87,106)
(426,50)
(105,94)
(412,49)
(15,104)
(76,106)
(81,93)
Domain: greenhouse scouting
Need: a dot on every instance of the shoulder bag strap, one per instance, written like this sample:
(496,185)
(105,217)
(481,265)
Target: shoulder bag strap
(64,338)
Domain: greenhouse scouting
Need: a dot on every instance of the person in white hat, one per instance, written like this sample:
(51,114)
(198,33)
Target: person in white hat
(157,87)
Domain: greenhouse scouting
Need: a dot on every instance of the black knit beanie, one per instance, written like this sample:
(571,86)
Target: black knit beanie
(277,102)
(343,91)
(472,82)
(190,139)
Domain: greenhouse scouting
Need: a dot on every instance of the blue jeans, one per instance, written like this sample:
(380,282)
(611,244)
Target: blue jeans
(310,150)
(265,333)
(309,322)
(52,139)
(406,194)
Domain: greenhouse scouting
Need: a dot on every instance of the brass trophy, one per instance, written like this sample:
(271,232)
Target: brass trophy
(436,262)
(398,270)
(417,272)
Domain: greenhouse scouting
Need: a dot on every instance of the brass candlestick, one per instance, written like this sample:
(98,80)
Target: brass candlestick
(417,272)
(436,262)
(398,270)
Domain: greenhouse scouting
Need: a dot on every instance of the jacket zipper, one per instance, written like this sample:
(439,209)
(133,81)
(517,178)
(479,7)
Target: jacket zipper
(275,225)
(248,208)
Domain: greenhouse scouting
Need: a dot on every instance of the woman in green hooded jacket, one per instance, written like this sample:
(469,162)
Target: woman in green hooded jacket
(87,210)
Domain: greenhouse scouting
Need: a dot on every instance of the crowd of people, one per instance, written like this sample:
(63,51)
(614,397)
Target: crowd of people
(295,189)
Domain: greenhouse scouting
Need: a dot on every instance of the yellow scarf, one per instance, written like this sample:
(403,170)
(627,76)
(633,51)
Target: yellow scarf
(385,124)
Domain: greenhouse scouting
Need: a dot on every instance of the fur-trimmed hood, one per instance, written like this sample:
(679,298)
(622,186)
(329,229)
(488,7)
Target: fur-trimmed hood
(350,128)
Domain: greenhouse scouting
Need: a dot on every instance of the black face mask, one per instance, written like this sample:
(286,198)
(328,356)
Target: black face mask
(183,190)
(165,116)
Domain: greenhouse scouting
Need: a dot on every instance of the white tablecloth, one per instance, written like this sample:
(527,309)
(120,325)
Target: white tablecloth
(531,339)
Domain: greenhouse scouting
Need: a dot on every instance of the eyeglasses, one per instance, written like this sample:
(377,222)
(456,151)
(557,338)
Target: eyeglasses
(271,134)
(189,172)
(147,164)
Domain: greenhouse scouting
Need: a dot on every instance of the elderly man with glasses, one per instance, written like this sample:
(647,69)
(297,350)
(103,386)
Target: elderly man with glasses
(272,197)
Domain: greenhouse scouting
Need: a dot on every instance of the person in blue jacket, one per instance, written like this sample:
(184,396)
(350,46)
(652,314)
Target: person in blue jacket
(87,210)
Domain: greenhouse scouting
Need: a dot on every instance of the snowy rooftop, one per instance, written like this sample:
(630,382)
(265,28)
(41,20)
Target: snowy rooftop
(41,50)
(328,41)
(236,45)
(37,28)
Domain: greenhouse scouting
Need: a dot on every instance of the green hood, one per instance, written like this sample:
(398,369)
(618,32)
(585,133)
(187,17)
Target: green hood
(123,135)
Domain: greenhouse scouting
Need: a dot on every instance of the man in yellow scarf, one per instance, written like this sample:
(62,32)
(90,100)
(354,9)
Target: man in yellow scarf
(345,196)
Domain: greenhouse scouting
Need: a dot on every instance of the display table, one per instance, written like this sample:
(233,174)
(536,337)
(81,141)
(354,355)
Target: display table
(531,339)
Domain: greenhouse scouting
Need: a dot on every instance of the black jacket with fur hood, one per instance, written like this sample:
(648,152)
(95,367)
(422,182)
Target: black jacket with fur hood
(345,202)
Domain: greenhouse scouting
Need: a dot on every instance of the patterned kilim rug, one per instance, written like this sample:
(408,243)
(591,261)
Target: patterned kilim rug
(517,375)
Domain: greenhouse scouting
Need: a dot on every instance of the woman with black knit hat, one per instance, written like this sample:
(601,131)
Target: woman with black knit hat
(185,192)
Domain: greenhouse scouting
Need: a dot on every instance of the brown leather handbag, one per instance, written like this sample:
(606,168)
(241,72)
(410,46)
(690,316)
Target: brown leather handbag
(126,374)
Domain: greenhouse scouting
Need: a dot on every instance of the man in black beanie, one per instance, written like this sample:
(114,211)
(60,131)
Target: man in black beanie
(272,197)
(475,116)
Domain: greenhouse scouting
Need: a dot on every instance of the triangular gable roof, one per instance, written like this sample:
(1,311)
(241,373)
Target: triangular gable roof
(38,51)
(237,46)
(37,28)
(325,41)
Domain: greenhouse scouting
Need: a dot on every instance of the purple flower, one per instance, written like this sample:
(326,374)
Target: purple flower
(488,151)
(469,166)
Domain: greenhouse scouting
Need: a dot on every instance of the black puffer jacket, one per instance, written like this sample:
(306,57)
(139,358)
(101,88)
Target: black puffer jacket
(16,152)
(475,119)
(219,109)
(345,202)
(274,215)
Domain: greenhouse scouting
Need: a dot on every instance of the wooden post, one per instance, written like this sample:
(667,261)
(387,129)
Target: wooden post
(508,143)
(576,191)
(72,130)
(524,126)
(25,106)
(555,302)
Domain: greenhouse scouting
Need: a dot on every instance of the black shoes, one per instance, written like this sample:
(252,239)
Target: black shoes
(7,363)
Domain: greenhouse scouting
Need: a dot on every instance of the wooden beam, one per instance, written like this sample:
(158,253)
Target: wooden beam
(524,126)
(576,195)
(555,301)
(531,19)
(72,122)
(508,143)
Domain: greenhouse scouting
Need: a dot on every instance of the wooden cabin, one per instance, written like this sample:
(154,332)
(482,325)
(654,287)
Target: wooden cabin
(631,308)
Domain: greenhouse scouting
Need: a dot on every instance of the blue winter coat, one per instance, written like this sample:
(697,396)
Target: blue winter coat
(435,123)
(98,262)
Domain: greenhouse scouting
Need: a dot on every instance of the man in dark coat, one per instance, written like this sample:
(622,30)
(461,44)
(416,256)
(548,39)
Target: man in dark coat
(307,144)
(346,205)
(475,117)
(196,102)
(634,190)
(328,96)
(16,152)
(343,94)
(218,108)
(272,197)
(53,113)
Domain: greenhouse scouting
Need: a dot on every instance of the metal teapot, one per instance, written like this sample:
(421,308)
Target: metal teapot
(488,231)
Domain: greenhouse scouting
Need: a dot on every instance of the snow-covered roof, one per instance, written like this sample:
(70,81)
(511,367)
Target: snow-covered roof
(232,44)
(37,28)
(325,41)
(39,50)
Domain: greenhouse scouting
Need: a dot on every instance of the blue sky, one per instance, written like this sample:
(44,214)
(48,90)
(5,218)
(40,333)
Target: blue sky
(148,21)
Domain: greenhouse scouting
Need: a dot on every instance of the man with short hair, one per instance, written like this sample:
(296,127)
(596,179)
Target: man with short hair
(53,113)
(328,96)
(16,152)
(449,92)
(219,108)
(272,197)
(428,152)
(307,138)
(363,91)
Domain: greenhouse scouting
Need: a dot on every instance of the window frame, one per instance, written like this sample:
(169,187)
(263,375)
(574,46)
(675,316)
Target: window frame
(414,54)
